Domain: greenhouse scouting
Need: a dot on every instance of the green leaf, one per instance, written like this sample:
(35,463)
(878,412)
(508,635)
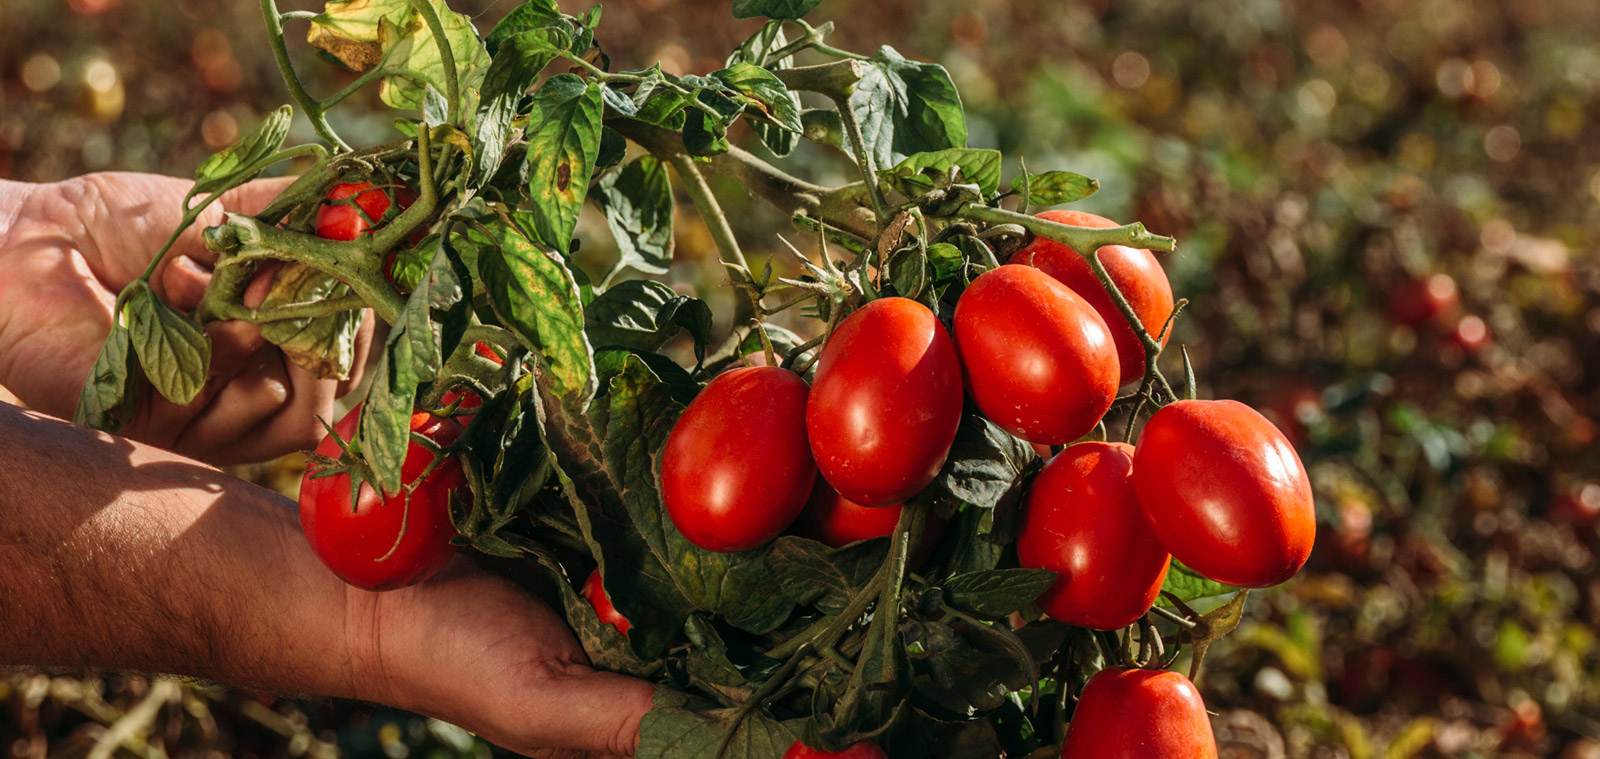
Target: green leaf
(326,345)
(364,33)
(756,49)
(1053,188)
(235,164)
(693,315)
(613,148)
(385,432)
(625,316)
(1188,585)
(638,205)
(811,573)
(995,593)
(515,68)
(530,15)
(918,173)
(906,107)
(607,648)
(783,10)
(680,727)
(112,386)
(173,349)
(563,142)
(764,90)
(961,674)
(983,463)
(537,298)
(705,129)
(416,339)
(946,260)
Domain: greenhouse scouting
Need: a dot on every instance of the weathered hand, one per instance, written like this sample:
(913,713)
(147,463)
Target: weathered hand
(67,249)
(469,647)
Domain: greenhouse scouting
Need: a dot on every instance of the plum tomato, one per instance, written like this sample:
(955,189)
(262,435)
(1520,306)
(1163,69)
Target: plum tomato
(1225,492)
(886,402)
(736,468)
(348,220)
(1039,361)
(1135,272)
(1082,521)
(595,593)
(1139,714)
(863,750)
(390,542)
(836,521)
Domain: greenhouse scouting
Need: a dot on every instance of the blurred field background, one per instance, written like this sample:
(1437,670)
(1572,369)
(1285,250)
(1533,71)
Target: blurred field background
(1316,161)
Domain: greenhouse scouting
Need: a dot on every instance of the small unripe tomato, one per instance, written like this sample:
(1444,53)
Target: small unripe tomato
(1082,521)
(886,402)
(1135,272)
(863,750)
(353,209)
(1421,301)
(736,468)
(390,542)
(594,592)
(1225,492)
(1139,714)
(1039,361)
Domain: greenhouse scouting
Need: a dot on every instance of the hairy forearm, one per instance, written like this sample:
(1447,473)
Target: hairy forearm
(118,555)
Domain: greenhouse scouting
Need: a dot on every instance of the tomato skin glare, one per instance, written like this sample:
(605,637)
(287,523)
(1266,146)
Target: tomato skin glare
(1139,714)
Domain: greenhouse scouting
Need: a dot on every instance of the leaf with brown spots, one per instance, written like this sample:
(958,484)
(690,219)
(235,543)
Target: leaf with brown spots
(563,142)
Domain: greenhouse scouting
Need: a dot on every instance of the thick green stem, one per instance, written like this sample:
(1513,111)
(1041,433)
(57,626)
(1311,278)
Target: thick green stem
(311,310)
(711,212)
(319,121)
(244,239)
(837,80)
(866,160)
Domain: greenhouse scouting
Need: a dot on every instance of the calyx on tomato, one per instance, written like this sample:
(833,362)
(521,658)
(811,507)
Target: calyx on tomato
(384,542)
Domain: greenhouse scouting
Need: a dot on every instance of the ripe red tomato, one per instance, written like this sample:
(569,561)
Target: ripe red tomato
(1579,506)
(1135,272)
(863,750)
(1225,492)
(736,469)
(595,593)
(836,521)
(1039,361)
(1082,521)
(886,402)
(1420,301)
(1139,714)
(344,222)
(390,542)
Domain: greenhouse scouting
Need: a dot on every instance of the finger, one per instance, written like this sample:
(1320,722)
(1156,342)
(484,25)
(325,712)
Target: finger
(576,707)
(294,425)
(225,429)
(182,283)
(162,423)
(260,285)
(247,198)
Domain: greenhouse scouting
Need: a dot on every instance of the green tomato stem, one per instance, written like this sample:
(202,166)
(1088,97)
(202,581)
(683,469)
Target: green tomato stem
(319,120)
(447,57)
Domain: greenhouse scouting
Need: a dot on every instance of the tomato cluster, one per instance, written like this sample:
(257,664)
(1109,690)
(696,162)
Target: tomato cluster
(1041,350)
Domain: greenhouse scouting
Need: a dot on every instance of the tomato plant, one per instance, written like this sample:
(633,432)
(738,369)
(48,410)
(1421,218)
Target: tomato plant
(610,419)
(1135,271)
(1225,492)
(736,469)
(1039,361)
(886,402)
(1082,521)
(383,542)
(1145,713)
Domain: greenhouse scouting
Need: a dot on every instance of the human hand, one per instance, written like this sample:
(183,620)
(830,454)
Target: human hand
(470,648)
(68,250)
